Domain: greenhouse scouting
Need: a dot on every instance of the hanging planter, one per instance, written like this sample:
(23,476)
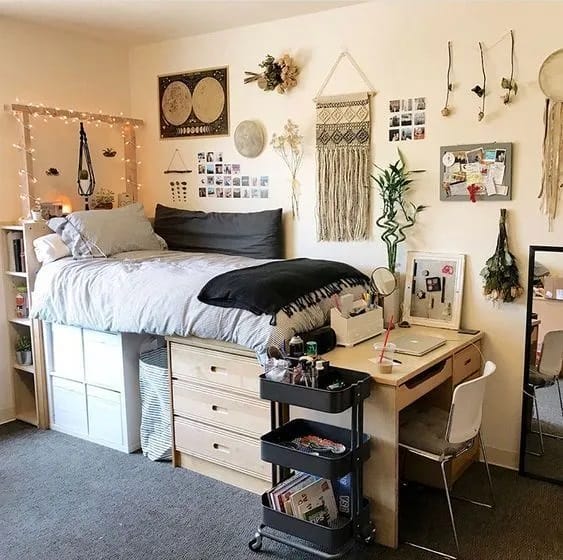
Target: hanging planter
(501,276)
(86,180)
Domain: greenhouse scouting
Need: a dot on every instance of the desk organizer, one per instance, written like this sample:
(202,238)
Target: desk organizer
(353,330)
(326,542)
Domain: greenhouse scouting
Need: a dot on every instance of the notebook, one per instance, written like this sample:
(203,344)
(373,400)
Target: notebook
(417,345)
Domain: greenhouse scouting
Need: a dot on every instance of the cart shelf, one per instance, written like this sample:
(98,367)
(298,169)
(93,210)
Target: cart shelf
(276,449)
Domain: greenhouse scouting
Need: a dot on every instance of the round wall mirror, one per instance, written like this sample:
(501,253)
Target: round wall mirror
(383,281)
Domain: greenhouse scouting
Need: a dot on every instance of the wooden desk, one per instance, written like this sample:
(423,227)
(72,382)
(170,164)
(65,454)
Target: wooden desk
(440,369)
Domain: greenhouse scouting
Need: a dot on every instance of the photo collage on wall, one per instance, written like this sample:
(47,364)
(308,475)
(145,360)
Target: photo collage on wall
(407,119)
(220,179)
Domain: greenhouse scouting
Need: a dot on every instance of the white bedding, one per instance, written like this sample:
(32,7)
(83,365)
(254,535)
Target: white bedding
(156,292)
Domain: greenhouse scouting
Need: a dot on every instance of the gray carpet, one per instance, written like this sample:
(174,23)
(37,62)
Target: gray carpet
(65,499)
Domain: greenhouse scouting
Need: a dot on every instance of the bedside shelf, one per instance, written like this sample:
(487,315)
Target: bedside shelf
(16,274)
(27,369)
(20,321)
(12,228)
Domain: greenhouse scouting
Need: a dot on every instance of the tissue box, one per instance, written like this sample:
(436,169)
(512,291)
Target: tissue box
(353,330)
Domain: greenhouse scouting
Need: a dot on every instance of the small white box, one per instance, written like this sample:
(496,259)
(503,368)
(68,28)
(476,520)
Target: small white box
(353,330)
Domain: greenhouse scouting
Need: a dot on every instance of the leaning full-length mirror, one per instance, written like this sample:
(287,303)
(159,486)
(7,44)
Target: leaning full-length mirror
(541,453)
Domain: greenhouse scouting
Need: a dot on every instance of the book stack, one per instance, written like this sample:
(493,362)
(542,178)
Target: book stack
(16,251)
(307,497)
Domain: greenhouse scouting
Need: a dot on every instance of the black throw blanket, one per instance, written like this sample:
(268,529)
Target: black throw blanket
(290,285)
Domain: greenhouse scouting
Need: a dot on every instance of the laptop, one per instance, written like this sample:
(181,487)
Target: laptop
(417,345)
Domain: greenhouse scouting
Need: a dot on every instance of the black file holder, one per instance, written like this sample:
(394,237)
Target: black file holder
(328,542)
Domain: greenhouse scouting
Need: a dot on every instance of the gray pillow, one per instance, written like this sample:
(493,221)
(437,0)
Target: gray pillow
(102,233)
(250,234)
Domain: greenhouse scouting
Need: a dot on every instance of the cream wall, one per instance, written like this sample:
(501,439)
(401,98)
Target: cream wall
(40,65)
(402,48)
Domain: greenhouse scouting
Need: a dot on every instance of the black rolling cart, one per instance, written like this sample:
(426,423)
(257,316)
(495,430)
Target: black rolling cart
(326,542)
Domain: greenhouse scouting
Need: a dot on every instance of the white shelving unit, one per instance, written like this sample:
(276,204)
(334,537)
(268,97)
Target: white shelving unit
(28,380)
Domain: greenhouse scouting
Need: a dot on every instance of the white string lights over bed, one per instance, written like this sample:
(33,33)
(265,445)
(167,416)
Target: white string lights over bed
(22,114)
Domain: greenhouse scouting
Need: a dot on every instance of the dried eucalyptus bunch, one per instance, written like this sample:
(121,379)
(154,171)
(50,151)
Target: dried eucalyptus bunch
(500,274)
(279,74)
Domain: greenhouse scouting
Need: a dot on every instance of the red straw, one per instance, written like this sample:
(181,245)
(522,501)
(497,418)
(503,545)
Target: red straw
(389,327)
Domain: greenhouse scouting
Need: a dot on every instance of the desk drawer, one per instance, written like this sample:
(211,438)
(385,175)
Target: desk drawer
(466,362)
(221,447)
(410,391)
(219,408)
(213,368)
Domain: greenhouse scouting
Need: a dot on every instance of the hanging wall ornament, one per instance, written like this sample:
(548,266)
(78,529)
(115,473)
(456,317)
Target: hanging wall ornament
(500,275)
(86,179)
(109,152)
(481,91)
(449,86)
(343,145)
(182,169)
(551,83)
(509,83)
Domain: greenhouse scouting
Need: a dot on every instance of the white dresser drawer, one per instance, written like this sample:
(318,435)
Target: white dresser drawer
(215,368)
(103,360)
(221,447)
(105,421)
(67,353)
(69,406)
(220,408)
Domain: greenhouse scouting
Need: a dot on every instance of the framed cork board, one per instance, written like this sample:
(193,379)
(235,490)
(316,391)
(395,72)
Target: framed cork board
(194,104)
(481,170)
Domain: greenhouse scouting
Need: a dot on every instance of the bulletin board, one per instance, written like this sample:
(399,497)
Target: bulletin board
(486,167)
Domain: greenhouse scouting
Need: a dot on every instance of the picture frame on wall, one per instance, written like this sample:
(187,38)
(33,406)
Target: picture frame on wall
(434,289)
(194,104)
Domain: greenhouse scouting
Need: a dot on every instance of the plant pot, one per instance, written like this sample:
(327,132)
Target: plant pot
(24,357)
(36,215)
(392,304)
(84,184)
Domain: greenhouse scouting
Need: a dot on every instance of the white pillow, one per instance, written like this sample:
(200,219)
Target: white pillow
(49,248)
(102,233)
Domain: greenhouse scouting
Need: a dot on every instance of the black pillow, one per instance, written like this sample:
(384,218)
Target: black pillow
(251,234)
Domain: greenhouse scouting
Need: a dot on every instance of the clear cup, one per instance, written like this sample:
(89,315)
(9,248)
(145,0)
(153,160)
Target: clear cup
(384,354)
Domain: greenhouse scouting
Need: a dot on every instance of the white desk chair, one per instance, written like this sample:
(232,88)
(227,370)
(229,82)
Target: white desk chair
(441,436)
(547,374)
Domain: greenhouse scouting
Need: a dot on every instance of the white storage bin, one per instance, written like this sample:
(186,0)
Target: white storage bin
(105,420)
(68,360)
(103,361)
(69,406)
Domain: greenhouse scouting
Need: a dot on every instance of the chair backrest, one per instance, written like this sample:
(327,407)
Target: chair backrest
(551,360)
(467,407)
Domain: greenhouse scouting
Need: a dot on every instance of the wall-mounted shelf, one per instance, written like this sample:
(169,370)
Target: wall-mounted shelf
(27,369)
(16,274)
(26,322)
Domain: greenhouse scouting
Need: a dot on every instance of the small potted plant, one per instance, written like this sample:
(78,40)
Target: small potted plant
(103,199)
(23,350)
(84,178)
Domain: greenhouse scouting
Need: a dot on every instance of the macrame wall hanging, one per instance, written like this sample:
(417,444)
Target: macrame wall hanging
(343,161)
(86,179)
(551,83)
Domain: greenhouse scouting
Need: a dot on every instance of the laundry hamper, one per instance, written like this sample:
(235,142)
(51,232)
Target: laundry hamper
(156,431)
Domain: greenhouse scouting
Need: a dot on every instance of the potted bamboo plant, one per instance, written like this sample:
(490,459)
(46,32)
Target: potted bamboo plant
(23,351)
(398,215)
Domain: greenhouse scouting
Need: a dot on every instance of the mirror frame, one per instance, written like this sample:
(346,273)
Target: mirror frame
(528,333)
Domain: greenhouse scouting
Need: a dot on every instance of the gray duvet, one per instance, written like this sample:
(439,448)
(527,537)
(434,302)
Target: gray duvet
(156,292)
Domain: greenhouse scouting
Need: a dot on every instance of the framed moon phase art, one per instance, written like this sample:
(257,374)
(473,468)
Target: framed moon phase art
(194,104)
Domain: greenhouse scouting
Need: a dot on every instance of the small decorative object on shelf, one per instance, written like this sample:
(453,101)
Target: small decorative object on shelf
(279,74)
(103,199)
(481,91)
(449,86)
(109,152)
(398,214)
(36,209)
(510,84)
(23,351)
(289,146)
(501,277)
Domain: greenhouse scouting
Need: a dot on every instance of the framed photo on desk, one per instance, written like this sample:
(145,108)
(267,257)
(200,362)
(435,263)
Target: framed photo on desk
(434,289)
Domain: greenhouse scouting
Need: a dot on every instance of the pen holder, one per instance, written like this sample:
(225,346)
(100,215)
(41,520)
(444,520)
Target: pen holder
(353,330)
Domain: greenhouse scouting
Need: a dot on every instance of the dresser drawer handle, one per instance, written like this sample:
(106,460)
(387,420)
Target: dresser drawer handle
(220,409)
(467,362)
(221,448)
(216,369)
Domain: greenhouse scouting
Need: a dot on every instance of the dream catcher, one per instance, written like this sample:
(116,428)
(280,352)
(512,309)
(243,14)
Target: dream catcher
(86,179)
